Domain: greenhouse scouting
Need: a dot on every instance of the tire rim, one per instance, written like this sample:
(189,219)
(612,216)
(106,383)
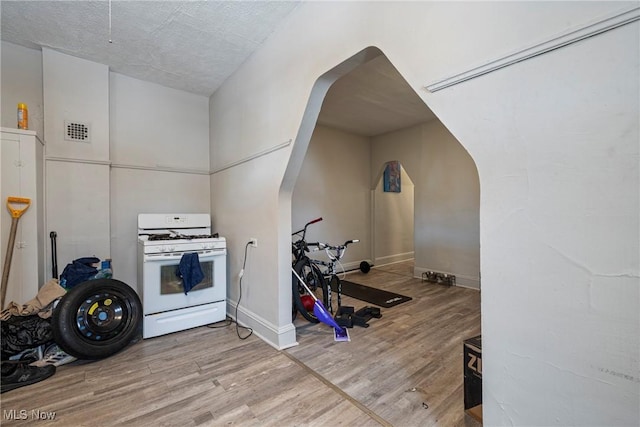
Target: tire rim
(103,316)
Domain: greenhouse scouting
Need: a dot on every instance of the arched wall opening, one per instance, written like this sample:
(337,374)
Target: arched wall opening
(446,214)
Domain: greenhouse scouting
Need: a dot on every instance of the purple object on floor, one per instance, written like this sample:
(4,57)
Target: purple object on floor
(318,309)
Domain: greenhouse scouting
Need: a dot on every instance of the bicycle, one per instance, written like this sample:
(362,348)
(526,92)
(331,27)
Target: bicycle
(310,273)
(320,276)
(329,270)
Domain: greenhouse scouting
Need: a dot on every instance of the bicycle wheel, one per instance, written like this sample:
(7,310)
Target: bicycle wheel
(314,280)
(294,309)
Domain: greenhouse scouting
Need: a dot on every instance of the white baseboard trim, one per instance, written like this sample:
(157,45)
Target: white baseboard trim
(278,338)
(462,280)
(392,259)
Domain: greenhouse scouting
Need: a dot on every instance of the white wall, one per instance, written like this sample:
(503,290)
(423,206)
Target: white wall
(447,198)
(334,184)
(393,221)
(76,173)
(555,142)
(21,77)
(76,90)
(155,126)
(559,231)
(149,153)
(160,160)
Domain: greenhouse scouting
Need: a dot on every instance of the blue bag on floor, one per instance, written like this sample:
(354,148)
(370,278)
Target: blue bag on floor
(80,270)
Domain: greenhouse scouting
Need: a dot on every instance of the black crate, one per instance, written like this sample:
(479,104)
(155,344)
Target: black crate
(473,377)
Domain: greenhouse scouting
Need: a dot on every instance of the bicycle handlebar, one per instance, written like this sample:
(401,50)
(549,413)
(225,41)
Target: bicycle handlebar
(325,246)
(306,225)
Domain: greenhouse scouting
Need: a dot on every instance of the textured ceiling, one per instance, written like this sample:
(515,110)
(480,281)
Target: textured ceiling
(188,45)
(373,99)
(195,45)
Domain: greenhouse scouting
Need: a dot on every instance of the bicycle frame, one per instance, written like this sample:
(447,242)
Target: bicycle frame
(326,270)
(335,254)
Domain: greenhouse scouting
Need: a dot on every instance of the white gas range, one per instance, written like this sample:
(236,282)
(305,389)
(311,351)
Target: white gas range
(174,251)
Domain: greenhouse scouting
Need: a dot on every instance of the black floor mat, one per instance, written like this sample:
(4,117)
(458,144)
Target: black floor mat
(375,296)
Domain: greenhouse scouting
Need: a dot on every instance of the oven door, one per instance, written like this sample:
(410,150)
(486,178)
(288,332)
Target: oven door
(163,290)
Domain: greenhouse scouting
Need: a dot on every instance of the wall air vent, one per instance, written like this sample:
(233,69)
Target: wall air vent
(76,131)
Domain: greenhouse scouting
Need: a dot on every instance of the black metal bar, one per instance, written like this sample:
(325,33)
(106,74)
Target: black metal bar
(54,255)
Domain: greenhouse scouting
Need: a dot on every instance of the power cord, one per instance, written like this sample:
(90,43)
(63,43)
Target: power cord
(244,263)
(228,320)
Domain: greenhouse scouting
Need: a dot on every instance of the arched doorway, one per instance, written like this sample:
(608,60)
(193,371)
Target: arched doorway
(333,173)
(361,114)
(392,231)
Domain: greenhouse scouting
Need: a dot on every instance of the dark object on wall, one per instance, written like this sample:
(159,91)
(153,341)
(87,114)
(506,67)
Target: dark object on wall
(365,267)
(78,271)
(391,177)
(97,318)
(20,333)
(473,377)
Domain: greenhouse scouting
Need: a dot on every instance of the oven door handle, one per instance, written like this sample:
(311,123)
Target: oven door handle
(208,253)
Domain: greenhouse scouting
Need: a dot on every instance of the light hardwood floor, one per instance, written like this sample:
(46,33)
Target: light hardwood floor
(404,370)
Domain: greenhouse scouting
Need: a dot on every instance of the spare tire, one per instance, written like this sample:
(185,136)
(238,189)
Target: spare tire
(97,318)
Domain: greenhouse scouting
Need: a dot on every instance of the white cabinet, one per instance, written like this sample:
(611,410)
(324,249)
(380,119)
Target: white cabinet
(21,170)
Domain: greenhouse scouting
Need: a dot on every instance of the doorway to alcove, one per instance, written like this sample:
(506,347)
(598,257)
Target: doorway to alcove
(370,115)
(361,115)
(392,215)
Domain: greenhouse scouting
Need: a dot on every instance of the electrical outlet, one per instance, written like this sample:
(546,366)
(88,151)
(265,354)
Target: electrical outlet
(254,242)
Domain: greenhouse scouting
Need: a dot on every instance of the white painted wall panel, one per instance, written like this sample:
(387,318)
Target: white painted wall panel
(21,82)
(21,159)
(157,126)
(78,210)
(75,90)
(447,198)
(142,191)
(558,163)
(334,184)
(393,222)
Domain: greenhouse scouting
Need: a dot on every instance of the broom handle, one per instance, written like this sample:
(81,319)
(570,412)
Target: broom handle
(7,259)
(305,285)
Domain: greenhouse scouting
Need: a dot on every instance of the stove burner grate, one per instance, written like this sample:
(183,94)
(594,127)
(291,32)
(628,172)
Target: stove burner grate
(181,237)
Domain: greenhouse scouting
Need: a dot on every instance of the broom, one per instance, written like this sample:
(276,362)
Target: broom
(319,309)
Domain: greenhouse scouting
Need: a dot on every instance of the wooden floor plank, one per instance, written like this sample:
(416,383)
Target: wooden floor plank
(404,370)
(416,345)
